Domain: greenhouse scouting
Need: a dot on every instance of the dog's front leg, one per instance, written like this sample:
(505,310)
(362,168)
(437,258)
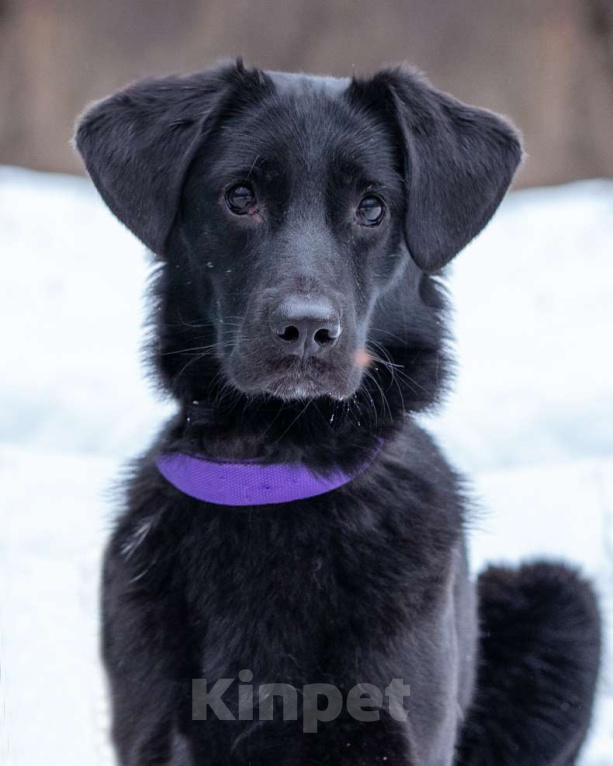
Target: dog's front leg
(145,654)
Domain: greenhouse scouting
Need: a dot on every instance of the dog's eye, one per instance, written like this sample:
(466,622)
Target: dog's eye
(370,210)
(241,199)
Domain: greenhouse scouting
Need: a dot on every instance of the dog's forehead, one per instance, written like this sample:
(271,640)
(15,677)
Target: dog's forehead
(299,84)
(307,122)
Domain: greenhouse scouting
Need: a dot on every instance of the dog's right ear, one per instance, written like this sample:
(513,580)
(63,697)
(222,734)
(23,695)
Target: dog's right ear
(138,144)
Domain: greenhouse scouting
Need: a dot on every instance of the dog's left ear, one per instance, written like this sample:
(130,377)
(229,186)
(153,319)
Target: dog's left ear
(138,144)
(458,162)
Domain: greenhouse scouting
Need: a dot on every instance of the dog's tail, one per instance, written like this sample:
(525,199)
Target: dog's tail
(540,654)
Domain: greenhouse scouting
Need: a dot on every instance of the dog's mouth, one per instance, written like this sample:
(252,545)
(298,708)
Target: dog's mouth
(296,385)
(297,379)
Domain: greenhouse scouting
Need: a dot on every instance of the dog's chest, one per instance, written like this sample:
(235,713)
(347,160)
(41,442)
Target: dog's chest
(289,592)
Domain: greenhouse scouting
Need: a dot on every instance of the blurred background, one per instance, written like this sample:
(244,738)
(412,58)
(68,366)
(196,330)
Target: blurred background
(548,63)
(530,419)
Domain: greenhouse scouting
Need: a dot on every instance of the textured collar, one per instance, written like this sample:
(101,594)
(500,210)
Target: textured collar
(249,482)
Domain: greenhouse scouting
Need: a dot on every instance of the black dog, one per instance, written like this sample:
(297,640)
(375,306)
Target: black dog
(298,224)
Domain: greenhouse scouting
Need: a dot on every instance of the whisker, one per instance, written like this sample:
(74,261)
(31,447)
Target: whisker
(219,344)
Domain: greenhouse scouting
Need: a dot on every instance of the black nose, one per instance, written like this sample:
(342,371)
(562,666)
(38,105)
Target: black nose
(305,327)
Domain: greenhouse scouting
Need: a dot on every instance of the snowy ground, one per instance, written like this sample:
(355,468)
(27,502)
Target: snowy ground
(531,421)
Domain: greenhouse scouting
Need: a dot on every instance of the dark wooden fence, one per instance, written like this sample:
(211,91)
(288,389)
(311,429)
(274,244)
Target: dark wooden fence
(547,63)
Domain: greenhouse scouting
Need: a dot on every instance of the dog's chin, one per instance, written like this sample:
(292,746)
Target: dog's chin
(297,384)
(303,388)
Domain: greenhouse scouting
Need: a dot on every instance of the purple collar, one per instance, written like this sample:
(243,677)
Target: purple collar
(249,483)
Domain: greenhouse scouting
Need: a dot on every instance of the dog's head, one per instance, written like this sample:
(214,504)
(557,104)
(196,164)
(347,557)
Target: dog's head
(297,220)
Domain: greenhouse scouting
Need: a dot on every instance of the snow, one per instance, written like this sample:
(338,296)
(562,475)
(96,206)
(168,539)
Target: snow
(530,420)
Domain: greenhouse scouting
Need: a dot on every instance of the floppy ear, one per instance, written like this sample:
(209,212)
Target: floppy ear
(138,144)
(458,163)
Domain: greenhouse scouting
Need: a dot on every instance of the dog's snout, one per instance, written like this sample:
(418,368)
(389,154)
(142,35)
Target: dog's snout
(305,327)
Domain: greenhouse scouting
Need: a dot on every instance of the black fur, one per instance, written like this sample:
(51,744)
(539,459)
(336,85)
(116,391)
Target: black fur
(540,650)
(365,584)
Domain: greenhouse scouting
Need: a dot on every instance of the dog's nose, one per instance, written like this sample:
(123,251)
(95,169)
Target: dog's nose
(304,327)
